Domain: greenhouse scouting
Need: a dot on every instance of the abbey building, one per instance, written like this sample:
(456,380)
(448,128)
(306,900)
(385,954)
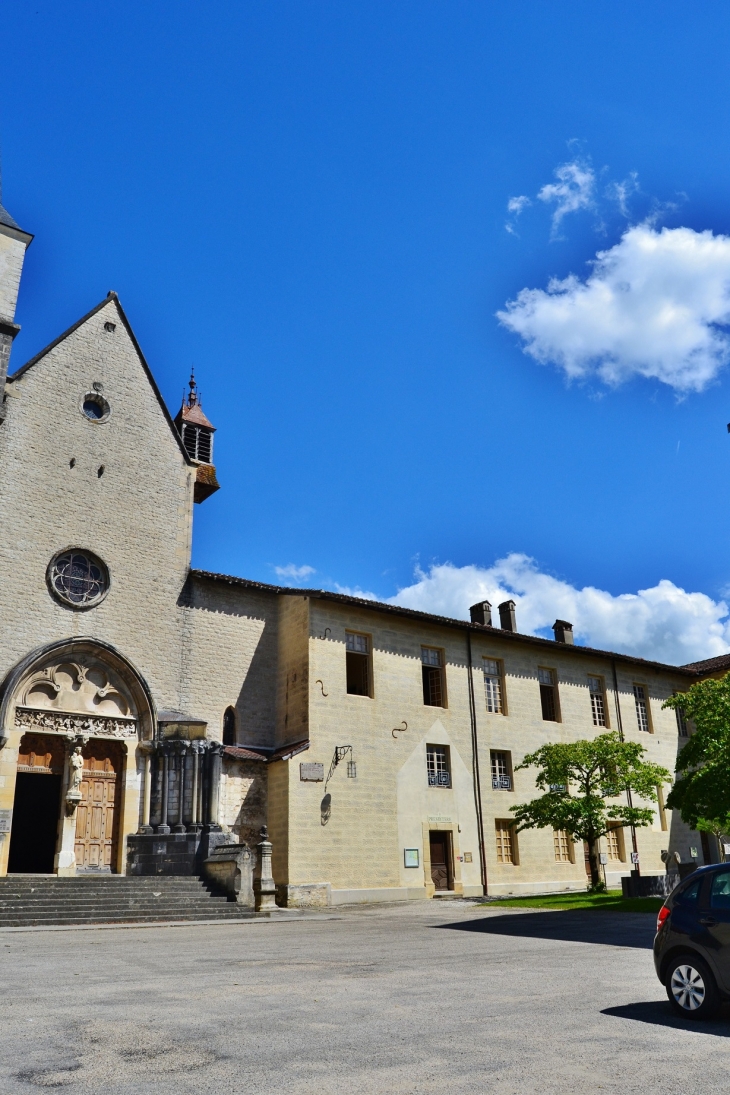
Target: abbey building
(150,712)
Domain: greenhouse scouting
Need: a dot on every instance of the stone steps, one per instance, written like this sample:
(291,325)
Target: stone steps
(34,901)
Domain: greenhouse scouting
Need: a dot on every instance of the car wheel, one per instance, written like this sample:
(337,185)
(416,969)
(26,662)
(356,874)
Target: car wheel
(691,987)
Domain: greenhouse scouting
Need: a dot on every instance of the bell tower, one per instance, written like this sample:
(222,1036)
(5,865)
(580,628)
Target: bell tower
(196,432)
(13,244)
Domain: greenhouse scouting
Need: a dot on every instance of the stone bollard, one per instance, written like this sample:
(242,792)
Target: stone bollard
(265,886)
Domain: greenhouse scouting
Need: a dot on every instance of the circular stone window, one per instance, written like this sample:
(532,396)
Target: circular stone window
(95,407)
(78,578)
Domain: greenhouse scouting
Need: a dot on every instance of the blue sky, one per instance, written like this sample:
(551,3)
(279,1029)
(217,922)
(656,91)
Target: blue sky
(309,202)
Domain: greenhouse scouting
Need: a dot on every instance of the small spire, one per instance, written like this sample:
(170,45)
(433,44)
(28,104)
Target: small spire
(192,398)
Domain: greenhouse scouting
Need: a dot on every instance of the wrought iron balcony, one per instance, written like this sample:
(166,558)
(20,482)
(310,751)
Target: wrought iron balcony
(501,783)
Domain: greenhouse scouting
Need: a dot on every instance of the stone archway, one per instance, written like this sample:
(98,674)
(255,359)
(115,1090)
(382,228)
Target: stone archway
(82,701)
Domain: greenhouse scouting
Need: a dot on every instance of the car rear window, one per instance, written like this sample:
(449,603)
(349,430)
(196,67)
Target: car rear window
(692,892)
(720,892)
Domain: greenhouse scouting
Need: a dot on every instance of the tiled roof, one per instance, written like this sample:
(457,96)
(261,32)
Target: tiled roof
(444,621)
(239,752)
(195,415)
(253,752)
(709,665)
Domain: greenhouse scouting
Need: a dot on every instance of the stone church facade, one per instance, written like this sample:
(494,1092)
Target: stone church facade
(149,711)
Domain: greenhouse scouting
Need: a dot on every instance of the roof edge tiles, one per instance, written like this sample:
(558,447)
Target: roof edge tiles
(709,665)
(443,621)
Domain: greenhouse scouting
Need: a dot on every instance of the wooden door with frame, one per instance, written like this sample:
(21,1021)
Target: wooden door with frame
(97,815)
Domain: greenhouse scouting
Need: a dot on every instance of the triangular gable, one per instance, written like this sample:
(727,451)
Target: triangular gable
(112,296)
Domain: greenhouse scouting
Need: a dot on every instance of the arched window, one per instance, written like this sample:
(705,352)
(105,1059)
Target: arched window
(229,726)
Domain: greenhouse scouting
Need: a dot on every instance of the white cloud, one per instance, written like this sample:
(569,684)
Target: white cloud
(516,205)
(620,192)
(653,306)
(574,190)
(663,623)
(514,208)
(291,574)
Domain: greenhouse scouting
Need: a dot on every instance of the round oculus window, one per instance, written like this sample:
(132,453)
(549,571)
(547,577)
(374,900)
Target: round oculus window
(95,407)
(78,578)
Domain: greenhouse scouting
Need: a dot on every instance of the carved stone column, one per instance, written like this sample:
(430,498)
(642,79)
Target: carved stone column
(65,859)
(265,887)
(148,751)
(215,766)
(195,813)
(163,828)
(181,749)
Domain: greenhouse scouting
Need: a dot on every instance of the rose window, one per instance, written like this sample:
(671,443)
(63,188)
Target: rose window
(78,578)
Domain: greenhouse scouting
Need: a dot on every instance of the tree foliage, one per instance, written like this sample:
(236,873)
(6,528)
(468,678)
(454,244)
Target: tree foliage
(583,781)
(701,791)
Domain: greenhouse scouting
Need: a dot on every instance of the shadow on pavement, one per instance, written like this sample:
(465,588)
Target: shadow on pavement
(659,1013)
(617,930)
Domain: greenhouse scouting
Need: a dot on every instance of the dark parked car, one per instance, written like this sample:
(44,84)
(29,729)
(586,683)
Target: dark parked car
(692,943)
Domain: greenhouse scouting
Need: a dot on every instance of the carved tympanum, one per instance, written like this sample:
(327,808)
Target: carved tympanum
(73,698)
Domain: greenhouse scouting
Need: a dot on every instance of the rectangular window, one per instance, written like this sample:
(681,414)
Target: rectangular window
(501,771)
(548,695)
(493,687)
(563,845)
(506,841)
(437,763)
(432,668)
(681,722)
(598,701)
(615,843)
(642,708)
(357,664)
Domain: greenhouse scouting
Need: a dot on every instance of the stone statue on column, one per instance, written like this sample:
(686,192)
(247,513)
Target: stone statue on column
(75,775)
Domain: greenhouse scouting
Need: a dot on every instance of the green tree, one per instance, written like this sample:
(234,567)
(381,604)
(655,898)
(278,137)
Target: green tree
(582,781)
(701,791)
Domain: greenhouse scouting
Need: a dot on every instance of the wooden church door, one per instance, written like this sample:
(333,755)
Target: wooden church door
(97,815)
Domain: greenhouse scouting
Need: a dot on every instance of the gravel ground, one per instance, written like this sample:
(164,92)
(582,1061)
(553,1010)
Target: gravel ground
(429,998)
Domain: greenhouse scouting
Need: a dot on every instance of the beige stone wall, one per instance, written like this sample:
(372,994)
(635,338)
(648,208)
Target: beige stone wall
(12,255)
(294,676)
(355,840)
(136,516)
(230,640)
(243,799)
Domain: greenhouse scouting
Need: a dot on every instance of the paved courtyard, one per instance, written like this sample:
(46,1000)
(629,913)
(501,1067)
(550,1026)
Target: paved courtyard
(421,999)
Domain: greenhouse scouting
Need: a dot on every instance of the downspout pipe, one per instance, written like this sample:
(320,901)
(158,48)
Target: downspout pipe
(475,765)
(620,727)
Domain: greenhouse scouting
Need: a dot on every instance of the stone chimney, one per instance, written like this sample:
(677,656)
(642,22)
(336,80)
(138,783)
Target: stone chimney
(481,613)
(563,632)
(507,616)
(13,244)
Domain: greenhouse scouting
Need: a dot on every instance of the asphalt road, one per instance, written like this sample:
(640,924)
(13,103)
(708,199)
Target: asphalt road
(436,998)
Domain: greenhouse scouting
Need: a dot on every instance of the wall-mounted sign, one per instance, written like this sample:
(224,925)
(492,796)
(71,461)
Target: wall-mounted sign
(726,849)
(693,853)
(410,857)
(312,772)
(634,857)
(603,858)
(467,857)
(6,818)
(439,819)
